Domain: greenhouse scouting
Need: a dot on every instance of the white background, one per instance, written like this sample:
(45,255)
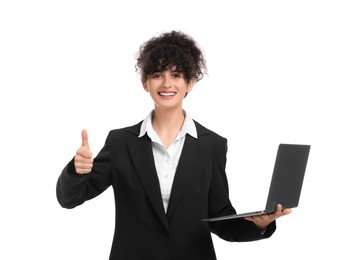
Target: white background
(68,65)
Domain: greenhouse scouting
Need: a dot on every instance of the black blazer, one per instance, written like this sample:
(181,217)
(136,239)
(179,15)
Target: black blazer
(142,229)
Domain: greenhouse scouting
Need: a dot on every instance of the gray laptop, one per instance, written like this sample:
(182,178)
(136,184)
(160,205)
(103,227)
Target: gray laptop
(286,182)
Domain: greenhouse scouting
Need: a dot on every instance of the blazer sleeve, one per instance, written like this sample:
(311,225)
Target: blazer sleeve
(235,230)
(73,189)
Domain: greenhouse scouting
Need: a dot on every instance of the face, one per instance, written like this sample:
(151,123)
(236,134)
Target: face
(168,88)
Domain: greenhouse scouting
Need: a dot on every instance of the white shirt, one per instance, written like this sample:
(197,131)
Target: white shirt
(166,160)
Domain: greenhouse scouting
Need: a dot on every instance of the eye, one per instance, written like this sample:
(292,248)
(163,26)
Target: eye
(177,75)
(156,76)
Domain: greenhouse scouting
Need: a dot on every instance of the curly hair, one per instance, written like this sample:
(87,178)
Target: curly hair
(168,50)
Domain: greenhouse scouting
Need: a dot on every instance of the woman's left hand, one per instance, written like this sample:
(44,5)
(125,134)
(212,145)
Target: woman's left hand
(262,221)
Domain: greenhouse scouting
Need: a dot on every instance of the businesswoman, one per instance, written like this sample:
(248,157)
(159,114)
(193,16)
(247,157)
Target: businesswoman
(167,171)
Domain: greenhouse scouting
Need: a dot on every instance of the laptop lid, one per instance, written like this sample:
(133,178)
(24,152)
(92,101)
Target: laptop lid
(286,183)
(287,179)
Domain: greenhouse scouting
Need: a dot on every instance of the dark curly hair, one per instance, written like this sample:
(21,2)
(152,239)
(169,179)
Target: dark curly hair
(171,49)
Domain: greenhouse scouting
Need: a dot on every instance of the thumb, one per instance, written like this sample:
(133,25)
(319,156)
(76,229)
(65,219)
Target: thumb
(85,142)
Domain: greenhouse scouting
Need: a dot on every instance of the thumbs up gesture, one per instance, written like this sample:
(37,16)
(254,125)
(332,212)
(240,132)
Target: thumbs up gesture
(83,158)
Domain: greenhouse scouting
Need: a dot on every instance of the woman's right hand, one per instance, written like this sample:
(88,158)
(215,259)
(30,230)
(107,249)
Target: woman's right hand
(83,158)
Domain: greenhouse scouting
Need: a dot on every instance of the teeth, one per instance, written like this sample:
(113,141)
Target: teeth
(166,94)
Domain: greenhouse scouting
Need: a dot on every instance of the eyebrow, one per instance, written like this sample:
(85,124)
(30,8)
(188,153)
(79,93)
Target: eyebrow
(161,70)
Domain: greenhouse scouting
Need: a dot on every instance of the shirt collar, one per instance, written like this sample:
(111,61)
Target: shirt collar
(187,128)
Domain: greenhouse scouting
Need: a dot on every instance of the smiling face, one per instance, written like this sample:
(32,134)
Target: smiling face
(167,88)
(170,65)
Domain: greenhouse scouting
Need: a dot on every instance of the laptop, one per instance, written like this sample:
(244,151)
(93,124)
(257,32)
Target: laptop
(286,182)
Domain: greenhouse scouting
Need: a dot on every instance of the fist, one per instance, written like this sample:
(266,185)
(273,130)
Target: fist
(83,157)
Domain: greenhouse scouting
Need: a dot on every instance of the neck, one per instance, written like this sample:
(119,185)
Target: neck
(167,124)
(168,119)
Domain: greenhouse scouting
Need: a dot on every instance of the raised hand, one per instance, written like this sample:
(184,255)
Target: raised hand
(83,158)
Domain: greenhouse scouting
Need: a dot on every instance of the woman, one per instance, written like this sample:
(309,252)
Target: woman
(167,171)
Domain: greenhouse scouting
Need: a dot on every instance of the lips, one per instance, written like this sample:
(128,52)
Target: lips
(167,94)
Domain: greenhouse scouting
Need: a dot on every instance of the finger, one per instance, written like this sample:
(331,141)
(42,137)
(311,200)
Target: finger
(83,160)
(279,208)
(286,211)
(84,152)
(280,211)
(83,171)
(85,142)
(83,167)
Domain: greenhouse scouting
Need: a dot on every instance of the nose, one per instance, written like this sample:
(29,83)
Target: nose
(167,80)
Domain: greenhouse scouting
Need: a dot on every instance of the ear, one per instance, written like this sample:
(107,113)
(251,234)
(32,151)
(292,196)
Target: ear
(145,86)
(190,86)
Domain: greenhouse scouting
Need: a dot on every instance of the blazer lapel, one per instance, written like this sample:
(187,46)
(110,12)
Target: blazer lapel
(186,168)
(142,156)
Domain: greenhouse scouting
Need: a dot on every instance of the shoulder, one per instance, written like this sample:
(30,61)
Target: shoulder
(211,140)
(125,132)
(212,143)
(204,132)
